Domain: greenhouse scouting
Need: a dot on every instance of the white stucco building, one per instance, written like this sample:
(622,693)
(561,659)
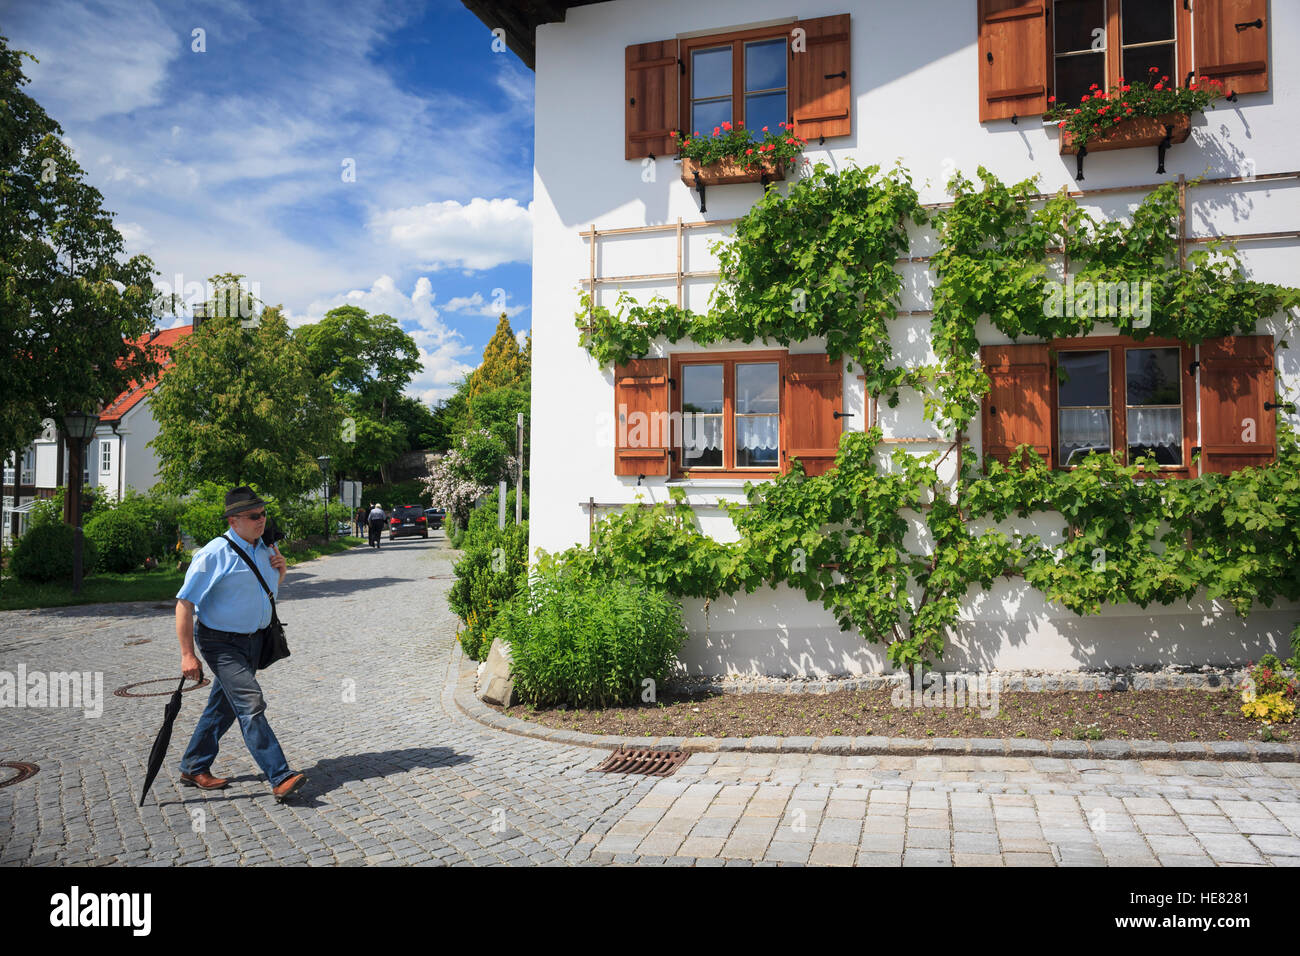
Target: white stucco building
(943,86)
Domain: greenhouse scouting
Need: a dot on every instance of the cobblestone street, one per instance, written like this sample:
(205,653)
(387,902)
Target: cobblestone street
(398,774)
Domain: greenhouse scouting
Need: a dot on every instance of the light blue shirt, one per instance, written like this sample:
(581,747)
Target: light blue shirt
(223,588)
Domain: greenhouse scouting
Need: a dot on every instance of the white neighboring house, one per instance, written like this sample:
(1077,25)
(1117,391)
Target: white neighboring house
(116,457)
(943,86)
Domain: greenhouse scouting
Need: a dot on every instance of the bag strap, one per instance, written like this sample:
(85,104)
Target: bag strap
(248,561)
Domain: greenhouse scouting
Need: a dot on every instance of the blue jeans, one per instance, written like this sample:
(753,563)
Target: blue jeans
(235,693)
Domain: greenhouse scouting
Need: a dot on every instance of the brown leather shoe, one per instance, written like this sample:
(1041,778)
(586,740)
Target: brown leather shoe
(287,786)
(203,780)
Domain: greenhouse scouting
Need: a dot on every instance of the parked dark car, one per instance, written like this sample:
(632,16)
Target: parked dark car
(407,520)
(435,516)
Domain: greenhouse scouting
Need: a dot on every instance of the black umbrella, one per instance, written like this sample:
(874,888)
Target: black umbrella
(271,533)
(164,738)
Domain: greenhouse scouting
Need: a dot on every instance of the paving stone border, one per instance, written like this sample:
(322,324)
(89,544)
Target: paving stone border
(471,706)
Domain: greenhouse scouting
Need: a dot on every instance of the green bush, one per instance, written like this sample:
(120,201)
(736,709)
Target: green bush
(44,554)
(46,510)
(120,537)
(588,643)
(489,574)
(160,514)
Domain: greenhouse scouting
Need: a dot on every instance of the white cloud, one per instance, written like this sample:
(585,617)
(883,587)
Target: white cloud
(480,234)
(114,60)
(476,305)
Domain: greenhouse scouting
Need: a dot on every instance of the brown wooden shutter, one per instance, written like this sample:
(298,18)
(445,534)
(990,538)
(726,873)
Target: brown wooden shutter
(814,386)
(642,436)
(821,100)
(650,109)
(1236,382)
(1013,59)
(1018,408)
(1229,45)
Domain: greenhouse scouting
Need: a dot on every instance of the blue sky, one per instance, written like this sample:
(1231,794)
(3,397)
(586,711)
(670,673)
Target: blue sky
(371,153)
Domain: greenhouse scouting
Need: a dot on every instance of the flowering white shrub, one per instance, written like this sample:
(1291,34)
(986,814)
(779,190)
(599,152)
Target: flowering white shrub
(468,472)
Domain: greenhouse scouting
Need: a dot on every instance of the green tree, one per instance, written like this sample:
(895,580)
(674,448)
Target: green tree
(242,406)
(503,362)
(71,307)
(367,360)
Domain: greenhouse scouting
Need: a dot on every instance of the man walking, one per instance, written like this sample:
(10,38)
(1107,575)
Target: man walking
(377,520)
(232,611)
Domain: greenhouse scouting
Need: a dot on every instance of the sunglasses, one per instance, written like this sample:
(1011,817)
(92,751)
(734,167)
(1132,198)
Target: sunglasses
(257,517)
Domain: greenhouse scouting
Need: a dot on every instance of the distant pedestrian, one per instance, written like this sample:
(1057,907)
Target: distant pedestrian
(376,520)
(359,519)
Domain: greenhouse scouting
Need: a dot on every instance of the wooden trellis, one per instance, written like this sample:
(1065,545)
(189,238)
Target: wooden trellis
(679,228)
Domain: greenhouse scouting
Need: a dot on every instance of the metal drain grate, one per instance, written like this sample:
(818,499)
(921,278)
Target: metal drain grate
(652,763)
(25,770)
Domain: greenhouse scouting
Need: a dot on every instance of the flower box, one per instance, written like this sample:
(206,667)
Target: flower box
(1138,131)
(726,171)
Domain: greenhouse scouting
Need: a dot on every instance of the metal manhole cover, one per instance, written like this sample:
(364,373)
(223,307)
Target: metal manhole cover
(25,770)
(169,681)
(652,763)
(138,641)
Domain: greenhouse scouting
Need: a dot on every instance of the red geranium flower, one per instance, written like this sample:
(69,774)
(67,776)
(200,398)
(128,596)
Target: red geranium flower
(764,129)
(672,133)
(749,152)
(1085,98)
(1159,86)
(1051,99)
(726,125)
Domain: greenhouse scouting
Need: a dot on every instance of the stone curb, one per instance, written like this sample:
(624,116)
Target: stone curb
(1249,750)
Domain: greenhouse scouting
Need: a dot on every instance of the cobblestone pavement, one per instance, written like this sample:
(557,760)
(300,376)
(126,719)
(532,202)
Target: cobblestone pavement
(398,774)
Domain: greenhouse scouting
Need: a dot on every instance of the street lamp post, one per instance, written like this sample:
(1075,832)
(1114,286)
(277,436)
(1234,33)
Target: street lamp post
(79,428)
(324,462)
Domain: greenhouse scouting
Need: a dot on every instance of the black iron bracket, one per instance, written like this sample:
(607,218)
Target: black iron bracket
(1162,148)
(1289,406)
(1078,162)
(1191,369)
(1196,449)
(699,188)
(1258,23)
(838,415)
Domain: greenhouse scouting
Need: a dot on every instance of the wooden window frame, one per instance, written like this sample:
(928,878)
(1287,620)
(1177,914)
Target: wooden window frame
(1117,346)
(737,40)
(1114,50)
(728,361)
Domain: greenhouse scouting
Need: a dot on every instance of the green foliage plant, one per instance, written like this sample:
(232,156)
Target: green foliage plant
(820,263)
(490,572)
(586,643)
(121,538)
(44,554)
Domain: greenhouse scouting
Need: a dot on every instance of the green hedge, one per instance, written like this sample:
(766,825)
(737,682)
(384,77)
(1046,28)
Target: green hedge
(44,554)
(588,643)
(489,574)
(120,537)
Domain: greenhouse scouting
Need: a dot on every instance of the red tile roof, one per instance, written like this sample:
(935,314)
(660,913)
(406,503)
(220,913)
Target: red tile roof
(136,392)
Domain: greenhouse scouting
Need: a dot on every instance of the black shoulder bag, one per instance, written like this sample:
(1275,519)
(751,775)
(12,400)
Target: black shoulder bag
(274,646)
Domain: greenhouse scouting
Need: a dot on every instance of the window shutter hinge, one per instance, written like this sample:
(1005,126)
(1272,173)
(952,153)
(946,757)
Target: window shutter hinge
(681,67)
(1269,406)
(842,74)
(1196,449)
(1191,369)
(672,382)
(838,415)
